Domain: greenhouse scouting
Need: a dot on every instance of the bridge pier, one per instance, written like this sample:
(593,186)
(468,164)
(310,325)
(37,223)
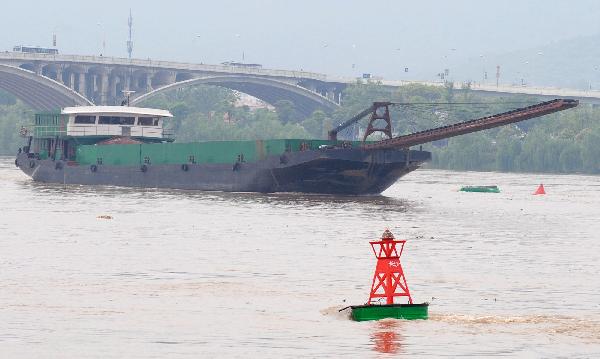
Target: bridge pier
(114,81)
(330,94)
(163,78)
(127,85)
(148,82)
(103,88)
(334,93)
(311,87)
(81,84)
(38,68)
(71,80)
(59,74)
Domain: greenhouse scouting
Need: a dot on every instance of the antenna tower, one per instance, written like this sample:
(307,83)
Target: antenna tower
(130,41)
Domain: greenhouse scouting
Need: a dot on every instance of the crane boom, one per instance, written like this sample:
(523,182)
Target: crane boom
(479,124)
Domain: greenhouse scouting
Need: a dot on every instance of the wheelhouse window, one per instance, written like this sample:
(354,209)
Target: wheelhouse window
(116,120)
(88,120)
(127,120)
(148,121)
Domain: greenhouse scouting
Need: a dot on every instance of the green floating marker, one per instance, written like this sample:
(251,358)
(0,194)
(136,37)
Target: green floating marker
(482,189)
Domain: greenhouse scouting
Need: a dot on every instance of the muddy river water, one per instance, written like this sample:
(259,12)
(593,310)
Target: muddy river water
(190,274)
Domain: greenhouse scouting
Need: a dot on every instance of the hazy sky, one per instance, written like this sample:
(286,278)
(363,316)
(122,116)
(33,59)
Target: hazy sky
(338,37)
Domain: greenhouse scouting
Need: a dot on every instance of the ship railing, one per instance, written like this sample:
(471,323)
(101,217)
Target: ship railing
(43,131)
(169,133)
(117,130)
(60,130)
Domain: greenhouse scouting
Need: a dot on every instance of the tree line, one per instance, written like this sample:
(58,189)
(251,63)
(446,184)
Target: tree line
(564,142)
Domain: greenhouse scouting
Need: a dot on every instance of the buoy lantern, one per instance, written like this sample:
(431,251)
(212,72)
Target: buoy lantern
(389,286)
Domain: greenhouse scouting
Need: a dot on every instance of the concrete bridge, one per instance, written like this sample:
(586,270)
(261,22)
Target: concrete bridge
(48,82)
(53,81)
(503,90)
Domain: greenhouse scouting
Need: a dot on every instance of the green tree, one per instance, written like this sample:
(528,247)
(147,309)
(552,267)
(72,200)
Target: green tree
(590,153)
(449,91)
(286,111)
(12,117)
(570,158)
(317,124)
(508,147)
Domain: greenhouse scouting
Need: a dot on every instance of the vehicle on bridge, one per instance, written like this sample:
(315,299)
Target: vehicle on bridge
(131,146)
(36,50)
(242,64)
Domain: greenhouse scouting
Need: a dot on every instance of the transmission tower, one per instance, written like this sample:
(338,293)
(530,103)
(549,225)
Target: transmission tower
(130,41)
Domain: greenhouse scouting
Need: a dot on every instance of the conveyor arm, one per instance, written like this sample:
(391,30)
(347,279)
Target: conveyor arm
(479,124)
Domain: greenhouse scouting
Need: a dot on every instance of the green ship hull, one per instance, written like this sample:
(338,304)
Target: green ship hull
(396,311)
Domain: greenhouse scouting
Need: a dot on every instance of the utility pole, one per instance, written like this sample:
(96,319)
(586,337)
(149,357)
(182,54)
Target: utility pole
(497,75)
(130,41)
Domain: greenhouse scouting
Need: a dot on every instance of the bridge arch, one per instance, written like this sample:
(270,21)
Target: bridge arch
(39,92)
(28,66)
(268,90)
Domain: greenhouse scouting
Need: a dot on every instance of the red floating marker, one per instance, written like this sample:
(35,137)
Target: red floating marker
(540,190)
(388,281)
(389,286)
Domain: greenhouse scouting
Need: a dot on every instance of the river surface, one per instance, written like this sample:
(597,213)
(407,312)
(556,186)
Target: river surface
(184,274)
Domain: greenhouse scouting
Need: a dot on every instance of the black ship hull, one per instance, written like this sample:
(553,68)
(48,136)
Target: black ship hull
(350,171)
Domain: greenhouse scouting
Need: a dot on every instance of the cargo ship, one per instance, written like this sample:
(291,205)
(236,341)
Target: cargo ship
(131,146)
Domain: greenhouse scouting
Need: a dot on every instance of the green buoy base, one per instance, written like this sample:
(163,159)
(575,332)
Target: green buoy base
(397,311)
(482,189)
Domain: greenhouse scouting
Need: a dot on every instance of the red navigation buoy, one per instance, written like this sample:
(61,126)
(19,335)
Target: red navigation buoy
(540,190)
(388,281)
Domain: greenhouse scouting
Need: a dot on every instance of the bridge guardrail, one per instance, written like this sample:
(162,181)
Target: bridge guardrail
(158,64)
